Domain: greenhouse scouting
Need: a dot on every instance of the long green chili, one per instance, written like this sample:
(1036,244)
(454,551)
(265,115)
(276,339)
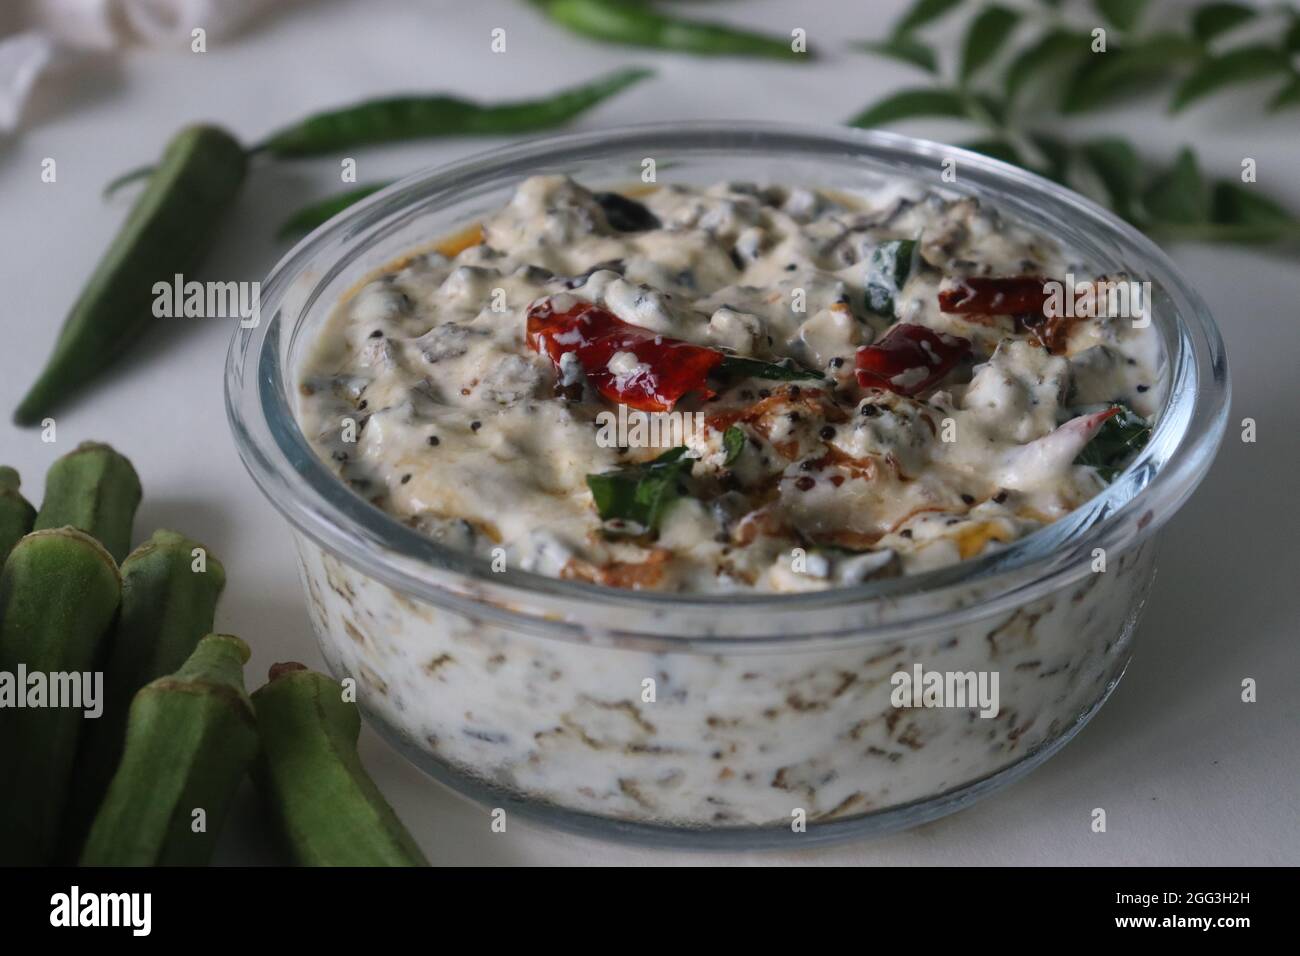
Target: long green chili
(417,117)
(635,24)
(400,118)
(309,217)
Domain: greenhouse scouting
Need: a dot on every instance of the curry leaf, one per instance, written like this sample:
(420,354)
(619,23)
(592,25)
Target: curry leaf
(986,109)
(1103,77)
(1211,19)
(912,103)
(1118,167)
(987,34)
(733,440)
(1120,438)
(1055,49)
(734,367)
(1286,97)
(640,493)
(1238,204)
(887,270)
(923,12)
(1178,194)
(1055,154)
(1123,14)
(997,149)
(1242,65)
(905,48)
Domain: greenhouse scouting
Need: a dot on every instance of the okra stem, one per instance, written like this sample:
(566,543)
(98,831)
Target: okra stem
(190,739)
(16,512)
(95,490)
(169,600)
(329,809)
(59,591)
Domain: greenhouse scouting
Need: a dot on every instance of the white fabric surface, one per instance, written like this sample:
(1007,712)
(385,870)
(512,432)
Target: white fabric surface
(38,34)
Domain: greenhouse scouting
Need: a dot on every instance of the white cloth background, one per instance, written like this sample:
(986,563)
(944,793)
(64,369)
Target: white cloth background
(38,36)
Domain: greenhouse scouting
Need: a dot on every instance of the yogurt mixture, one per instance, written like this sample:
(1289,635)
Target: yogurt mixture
(883,389)
(814,389)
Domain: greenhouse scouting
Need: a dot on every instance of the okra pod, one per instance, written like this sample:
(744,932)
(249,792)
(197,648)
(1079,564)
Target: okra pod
(95,490)
(330,811)
(167,232)
(59,592)
(16,512)
(190,739)
(169,600)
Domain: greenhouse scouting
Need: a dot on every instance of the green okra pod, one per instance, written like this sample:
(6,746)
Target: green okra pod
(16,512)
(190,739)
(168,231)
(170,587)
(95,490)
(330,811)
(59,593)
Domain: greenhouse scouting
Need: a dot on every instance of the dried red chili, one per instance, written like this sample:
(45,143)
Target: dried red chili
(666,369)
(995,295)
(909,359)
(1026,297)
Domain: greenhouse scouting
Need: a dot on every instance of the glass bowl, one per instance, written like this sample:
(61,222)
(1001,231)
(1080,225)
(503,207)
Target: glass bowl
(742,720)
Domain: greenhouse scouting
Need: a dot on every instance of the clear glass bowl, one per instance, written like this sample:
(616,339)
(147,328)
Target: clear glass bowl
(745,720)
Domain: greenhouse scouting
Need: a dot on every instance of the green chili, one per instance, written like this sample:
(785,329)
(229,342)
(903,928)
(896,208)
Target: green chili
(309,217)
(635,24)
(16,512)
(189,742)
(95,490)
(169,229)
(170,587)
(59,591)
(330,811)
(416,117)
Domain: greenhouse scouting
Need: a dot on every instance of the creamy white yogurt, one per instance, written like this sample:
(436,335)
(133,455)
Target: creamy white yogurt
(468,433)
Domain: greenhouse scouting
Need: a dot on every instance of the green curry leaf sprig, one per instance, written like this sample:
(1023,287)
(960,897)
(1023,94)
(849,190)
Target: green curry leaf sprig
(1011,60)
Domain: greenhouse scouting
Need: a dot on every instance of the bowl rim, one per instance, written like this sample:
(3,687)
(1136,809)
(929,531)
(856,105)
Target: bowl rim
(317,504)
